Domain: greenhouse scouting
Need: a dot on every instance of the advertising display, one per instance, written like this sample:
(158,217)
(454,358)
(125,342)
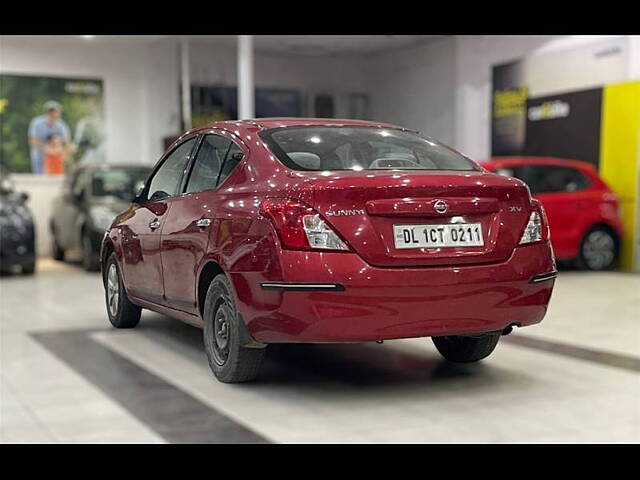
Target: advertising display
(49,124)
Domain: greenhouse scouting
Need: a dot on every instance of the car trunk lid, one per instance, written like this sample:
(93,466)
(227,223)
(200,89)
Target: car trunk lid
(363,208)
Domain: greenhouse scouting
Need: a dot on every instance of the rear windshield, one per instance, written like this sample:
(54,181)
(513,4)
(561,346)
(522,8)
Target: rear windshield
(360,148)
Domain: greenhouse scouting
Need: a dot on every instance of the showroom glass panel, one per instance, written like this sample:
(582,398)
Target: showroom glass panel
(166,181)
(206,168)
(360,148)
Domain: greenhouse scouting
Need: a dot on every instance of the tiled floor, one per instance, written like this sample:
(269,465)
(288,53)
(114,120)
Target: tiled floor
(67,376)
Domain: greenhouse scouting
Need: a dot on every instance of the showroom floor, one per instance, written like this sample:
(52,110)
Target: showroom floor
(67,376)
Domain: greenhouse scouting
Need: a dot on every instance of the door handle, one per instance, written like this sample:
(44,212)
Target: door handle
(203,222)
(155,224)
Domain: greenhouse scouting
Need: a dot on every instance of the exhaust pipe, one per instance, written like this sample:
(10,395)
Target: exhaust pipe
(509,329)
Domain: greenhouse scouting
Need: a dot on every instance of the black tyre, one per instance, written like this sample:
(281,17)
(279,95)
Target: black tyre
(229,360)
(598,250)
(464,349)
(90,259)
(29,268)
(122,313)
(56,251)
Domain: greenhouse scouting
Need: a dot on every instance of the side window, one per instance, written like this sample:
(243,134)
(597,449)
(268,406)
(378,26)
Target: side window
(560,179)
(166,180)
(234,155)
(215,161)
(529,174)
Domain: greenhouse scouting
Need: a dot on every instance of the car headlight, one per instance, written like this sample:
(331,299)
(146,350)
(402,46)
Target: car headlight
(101,217)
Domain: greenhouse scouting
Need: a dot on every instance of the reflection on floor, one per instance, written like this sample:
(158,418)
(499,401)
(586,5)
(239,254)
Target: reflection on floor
(67,376)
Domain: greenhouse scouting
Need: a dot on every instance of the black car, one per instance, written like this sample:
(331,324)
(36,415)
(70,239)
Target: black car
(17,233)
(92,195)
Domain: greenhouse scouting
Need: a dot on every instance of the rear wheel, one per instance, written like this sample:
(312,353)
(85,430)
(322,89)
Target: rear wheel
(598,250)
(228,359)
(464,349)
(122,313)
(90,259)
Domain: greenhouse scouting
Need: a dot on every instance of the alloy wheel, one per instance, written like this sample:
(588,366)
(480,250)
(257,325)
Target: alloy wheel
(113,290)
(599,249)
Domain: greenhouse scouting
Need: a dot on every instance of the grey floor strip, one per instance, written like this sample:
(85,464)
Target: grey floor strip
(625,362)
(172,413)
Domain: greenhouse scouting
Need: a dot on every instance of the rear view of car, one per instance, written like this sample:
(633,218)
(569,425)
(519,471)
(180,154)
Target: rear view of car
(583,212)
(317,230)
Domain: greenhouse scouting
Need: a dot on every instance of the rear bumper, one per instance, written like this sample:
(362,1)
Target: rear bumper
(386,303)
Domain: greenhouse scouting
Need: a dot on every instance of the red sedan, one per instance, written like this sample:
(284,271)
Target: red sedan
(315,230)
(583,212)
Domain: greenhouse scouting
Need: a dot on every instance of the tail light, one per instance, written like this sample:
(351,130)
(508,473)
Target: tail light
(300,227)
(537,228)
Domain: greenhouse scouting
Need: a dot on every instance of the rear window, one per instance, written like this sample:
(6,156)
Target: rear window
(360,148)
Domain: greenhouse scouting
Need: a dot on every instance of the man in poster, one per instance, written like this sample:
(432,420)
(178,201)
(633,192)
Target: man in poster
(41,129)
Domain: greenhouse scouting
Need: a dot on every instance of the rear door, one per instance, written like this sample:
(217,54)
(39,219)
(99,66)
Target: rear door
(193,219)
(140,234)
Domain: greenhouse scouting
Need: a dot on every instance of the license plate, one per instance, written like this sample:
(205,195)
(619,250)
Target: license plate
(433,236)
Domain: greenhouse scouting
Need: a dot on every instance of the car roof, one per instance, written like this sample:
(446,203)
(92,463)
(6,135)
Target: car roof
(279,122)
(497,162)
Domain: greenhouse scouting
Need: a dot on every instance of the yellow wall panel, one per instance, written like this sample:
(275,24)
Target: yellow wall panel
(620,158)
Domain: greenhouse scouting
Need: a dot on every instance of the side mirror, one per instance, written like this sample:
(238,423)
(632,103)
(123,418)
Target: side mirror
(237,156)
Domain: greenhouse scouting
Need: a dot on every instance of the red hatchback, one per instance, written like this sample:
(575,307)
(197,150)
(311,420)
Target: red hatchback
(315,230)
(583,212)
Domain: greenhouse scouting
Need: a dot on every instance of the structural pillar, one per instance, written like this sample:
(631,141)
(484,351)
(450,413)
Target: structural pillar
(185,83)
(246,106)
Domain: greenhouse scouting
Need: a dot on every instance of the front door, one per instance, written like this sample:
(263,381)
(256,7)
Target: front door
(142,264)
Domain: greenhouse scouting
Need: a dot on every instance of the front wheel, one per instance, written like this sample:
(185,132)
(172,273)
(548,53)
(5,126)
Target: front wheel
(122,313)
(229,360)
(465,349)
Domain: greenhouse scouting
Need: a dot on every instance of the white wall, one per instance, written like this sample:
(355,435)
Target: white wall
(414,88)
(215,64)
